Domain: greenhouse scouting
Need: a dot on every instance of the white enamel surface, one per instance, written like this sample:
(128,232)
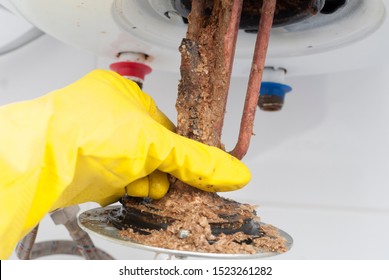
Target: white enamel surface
(108,27)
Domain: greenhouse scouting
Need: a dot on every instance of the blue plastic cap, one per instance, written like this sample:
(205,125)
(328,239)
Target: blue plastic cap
(272,88)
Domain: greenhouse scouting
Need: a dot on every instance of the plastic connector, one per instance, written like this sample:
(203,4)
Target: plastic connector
(273,89)
(272,96)
(133,71)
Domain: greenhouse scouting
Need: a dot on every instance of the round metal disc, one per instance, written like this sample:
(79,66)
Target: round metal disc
(95,221)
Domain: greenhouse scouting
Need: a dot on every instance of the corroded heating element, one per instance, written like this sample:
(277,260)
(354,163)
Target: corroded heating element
(207,54)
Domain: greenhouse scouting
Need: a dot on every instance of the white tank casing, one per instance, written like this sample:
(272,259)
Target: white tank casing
(320,44)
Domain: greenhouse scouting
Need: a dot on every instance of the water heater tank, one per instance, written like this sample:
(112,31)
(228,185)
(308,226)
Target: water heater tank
(334,35)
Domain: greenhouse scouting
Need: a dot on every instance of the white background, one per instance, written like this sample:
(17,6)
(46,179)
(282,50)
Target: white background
(320,166)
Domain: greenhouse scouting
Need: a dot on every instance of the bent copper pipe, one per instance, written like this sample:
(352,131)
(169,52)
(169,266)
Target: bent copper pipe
(255,78)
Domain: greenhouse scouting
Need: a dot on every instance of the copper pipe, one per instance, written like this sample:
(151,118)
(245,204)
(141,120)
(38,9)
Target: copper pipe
(232,35)
(254,84)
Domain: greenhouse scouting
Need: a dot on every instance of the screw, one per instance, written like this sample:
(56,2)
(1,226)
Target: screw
(183,233)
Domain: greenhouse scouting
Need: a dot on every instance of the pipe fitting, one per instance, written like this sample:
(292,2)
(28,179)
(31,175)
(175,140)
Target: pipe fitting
(132,65)
(273,90)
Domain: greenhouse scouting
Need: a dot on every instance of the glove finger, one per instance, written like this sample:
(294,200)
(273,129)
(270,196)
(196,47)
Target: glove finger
(155,186)
(138,188)
(159,184)
(150,106)
(199,165)
(160,117)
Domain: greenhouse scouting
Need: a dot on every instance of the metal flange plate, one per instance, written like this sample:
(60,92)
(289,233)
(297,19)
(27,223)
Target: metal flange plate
(95,221)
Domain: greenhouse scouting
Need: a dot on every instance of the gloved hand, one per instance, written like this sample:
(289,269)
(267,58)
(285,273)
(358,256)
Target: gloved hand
(93,141)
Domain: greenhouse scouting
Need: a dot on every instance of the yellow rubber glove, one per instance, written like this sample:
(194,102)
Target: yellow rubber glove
(92,141)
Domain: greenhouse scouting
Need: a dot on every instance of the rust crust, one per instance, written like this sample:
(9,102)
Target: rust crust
(207,55)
